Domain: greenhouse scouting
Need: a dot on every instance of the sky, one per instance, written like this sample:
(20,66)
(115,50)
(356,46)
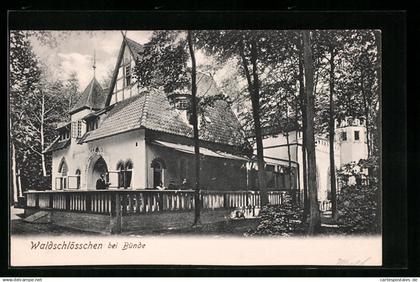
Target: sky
(74,52)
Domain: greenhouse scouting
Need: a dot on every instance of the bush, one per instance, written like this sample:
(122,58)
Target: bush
(357,209)
(283,220)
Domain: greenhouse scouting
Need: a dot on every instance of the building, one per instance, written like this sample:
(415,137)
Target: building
(142,138)
(350,146)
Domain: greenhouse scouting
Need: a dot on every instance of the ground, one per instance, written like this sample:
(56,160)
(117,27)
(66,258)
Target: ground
(19,227)
(232,227)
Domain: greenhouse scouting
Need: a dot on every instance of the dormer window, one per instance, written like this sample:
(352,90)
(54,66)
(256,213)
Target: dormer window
(63,132)
(182,103)
(64,135)
(92,124)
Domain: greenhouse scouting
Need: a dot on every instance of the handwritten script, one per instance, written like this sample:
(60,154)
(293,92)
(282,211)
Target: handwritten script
(342,261)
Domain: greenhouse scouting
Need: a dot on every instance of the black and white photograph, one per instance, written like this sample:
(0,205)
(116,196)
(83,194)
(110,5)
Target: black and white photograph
(221,136)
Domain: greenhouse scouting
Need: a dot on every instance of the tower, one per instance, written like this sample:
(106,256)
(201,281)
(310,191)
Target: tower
(352,139)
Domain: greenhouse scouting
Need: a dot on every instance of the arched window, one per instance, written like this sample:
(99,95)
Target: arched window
(100,169)
(158,166)
(125,170)
(78,179)
(62,179)
(120,169)
(128,173)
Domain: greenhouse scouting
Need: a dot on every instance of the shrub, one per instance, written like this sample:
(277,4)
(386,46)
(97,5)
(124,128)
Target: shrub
(284,220)
(357,209)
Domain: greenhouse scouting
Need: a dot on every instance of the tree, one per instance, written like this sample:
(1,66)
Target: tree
(365,79)
(190,41)
(252,51)
(106,80)
(24,78)
(72,90)
(314,217)
(37,105)
(279,101)
(331,45)
(164,64)
(302,103)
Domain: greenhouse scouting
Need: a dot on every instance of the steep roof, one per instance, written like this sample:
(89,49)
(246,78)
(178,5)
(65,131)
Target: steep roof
(57,144)
(92,97)
(152,110)
(134,47)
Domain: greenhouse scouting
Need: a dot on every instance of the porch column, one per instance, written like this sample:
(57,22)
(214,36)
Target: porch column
(140,163)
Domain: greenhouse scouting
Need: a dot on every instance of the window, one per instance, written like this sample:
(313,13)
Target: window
(79,128)
(343,136)
(125,171)
(127,75)
(181,103)
(78,179)
(92,124)
(76,129)
(183,169)
(120,168)
(128,173)
(356,135)
(64,135)
(73,129)
(269,168)
(62,179)
(158,172)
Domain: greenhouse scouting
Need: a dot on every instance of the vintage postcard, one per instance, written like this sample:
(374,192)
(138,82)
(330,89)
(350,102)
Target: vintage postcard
(195,147)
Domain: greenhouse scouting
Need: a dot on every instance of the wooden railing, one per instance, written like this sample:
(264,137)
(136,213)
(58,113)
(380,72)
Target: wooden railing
(144,201)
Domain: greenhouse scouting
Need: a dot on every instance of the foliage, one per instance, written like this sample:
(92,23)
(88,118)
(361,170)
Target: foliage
(283,220)
(357,209)
(163,62)
(37,104)
(367,169)
(25,76)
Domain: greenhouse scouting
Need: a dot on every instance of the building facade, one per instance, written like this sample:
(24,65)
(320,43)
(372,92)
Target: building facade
(350,146)
(142,138)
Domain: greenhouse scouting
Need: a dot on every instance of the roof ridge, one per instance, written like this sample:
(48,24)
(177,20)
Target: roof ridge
(52,143)
(90,94)
(129,41)
(145,108)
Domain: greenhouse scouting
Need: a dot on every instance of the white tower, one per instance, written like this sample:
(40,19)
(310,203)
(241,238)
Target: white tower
(352,139)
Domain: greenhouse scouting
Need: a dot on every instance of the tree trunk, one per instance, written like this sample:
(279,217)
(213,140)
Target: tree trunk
(378,43)
(289,161)
(303,110)
(14,174)
(20,192)
(366,110)
(331,137)
(195,129)
(314,218)
(297,159)
(253,88)
(44,170)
